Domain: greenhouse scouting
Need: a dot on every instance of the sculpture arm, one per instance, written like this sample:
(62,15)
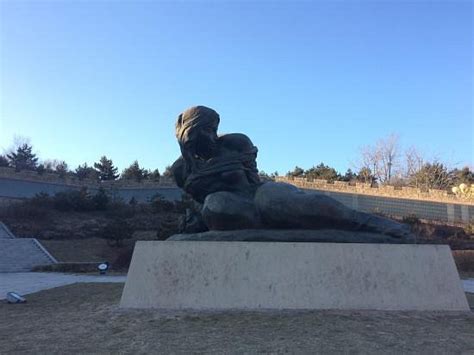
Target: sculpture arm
(240,143)
(179,171)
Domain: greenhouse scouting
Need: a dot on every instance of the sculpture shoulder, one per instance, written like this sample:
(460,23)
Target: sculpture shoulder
(178,171)
(236,141)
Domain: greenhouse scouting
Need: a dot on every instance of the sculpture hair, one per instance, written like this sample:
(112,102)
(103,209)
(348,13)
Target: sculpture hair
(192,120)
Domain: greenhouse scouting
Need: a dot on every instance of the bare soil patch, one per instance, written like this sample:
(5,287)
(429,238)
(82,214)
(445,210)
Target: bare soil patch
(96,250)
(458,237)
(84,250)
(85,318)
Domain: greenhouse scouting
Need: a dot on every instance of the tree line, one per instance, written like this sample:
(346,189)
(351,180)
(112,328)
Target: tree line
(22,157)
(381,163)
(386,163)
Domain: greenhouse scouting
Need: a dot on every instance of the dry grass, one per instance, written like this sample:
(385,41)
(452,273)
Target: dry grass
(85,318)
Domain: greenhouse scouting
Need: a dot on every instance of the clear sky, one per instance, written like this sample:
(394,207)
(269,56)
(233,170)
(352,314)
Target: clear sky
(306,81)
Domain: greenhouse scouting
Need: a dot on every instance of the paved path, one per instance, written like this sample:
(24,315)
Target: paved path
(5,233)
(24,283)
(468,285)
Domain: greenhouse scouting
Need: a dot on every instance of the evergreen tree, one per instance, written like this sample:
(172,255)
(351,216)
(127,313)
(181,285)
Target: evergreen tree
(154,175)
(264,176)
(101,200)
(348,176)
(3,161)
(86,172)
(134,172)
(322,172)
(463,176)
(23,158)
(168,173)
(106,169)
(365,175)
(40,169)
(432,176)
(61,168)
(297,172)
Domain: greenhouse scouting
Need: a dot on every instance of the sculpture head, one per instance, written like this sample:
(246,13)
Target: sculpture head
(196,131)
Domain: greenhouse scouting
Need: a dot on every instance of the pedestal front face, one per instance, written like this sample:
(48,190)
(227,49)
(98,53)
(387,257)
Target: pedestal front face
(265,275)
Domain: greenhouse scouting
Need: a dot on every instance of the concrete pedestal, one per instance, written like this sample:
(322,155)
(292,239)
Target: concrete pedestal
(266,275)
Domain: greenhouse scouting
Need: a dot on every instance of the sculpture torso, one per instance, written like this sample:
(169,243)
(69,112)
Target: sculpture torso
(232,168)
(220,173)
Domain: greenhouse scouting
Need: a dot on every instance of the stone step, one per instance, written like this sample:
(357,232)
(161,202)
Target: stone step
(5,233)
(22,254)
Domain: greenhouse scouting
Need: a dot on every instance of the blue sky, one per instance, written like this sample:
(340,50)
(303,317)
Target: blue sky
(306,81)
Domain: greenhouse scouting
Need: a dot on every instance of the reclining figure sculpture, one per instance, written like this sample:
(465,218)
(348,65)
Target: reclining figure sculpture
(220,173)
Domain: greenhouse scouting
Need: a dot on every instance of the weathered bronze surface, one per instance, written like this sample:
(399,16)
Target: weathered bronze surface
(220,173)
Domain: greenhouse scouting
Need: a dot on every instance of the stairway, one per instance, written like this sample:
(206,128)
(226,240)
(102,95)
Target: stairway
(21,254)
(5,232)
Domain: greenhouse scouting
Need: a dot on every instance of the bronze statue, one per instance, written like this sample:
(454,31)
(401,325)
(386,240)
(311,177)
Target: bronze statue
(220,173)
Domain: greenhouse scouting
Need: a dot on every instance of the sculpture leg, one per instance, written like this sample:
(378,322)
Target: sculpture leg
(285,206)
(225,210)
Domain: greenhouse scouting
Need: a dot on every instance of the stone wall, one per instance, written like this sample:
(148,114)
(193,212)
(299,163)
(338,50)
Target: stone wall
(435,206)
(408,193)
(26,184)
(24,175)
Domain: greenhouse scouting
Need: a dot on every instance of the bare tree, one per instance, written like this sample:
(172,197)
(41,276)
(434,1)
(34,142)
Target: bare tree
(368,162)
(414,162)
(382,158)
(388,150)
(53,165)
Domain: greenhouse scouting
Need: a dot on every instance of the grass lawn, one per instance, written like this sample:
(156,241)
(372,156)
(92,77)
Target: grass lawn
(85,318)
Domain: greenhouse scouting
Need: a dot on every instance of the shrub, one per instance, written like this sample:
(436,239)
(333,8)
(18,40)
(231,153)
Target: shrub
(168,227)
(469,229)
(185,203)
(24,210)
(73,200)
(123,260)
(411,219)
(42,199)
(160,204)
(116,232)
(78,200)
(101,200)
(120,210)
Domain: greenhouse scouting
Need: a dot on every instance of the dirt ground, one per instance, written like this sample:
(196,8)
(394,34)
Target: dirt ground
(85,318)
